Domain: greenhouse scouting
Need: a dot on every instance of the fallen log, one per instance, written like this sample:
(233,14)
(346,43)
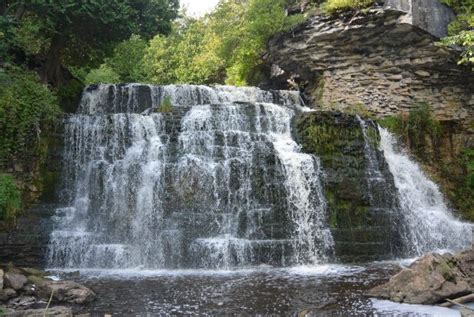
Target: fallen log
(461,305)
(461,300)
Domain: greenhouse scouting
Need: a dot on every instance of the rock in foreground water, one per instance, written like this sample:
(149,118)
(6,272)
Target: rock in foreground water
(430,280)
(67,291)
(26,288)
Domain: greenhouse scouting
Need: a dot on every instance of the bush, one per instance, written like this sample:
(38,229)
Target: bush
(26,108)
(10,198)
(102,75)
(335,6)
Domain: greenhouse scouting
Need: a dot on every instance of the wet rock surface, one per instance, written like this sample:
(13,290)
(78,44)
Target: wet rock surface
(27,242)
(361,206)
(27,291)
(430,280)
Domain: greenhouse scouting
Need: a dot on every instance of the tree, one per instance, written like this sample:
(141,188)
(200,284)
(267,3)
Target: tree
(224,46)
(461,30)
(127,59)
(81,32)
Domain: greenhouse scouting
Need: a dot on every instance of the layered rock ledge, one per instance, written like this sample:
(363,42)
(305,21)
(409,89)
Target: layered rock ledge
(374,59)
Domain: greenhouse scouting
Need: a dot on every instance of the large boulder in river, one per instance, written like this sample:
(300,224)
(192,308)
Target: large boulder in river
(66,291)
(430,280)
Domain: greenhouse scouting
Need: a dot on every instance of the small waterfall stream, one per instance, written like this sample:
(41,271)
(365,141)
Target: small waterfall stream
(218,182)
(429,223)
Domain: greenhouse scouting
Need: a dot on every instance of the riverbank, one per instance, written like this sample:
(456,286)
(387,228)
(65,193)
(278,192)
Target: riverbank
(33,292)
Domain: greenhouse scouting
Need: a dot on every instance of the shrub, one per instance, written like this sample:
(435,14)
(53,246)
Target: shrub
(166,106)
(102,75)
(334,6)
(26,108)
(10,198)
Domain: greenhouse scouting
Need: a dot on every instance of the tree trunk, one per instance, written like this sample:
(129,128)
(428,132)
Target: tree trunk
(51,72)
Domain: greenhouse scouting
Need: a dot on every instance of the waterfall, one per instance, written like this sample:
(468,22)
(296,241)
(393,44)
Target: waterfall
(429,223)
(217,182)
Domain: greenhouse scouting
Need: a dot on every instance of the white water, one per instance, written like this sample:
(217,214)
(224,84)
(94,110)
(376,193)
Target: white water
(207,186)
(430,225)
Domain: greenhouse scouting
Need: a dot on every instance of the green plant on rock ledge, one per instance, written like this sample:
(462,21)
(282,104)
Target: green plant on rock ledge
(415,127)
(336,6)
(166,106)
(10,198)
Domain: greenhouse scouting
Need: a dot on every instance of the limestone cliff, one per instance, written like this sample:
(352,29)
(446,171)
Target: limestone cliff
(381,59)
(385,62)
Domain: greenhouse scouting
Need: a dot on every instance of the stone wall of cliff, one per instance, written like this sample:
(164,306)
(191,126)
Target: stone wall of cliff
(375,60)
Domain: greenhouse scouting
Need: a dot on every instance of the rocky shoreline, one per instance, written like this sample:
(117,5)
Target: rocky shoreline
(434,279)
(31,292)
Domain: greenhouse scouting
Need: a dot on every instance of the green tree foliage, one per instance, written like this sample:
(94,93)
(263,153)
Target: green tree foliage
(10,198)
(188,55)
(102,75)
(224,46)
(127,60)
(461,30)
(26,108)
(79,32)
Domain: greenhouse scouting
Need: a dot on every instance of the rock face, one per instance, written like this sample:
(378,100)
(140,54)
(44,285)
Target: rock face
(376,61)
(360,207)
(28,242)
(428,15)
(431,280)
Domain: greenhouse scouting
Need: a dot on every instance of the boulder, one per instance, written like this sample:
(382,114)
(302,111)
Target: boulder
(66,291)
(14,280)
(429,280)
(6,294)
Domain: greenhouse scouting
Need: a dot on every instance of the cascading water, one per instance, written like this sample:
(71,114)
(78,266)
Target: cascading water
(429,223)
(218,182)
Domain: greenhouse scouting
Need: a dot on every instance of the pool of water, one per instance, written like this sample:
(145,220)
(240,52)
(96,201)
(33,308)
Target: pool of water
(326,290)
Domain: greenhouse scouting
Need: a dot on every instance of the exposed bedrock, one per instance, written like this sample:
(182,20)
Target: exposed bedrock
(376,60)
(431,280)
